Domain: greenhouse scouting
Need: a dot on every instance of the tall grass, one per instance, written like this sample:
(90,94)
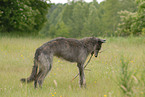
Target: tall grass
(127,79)
(16,61)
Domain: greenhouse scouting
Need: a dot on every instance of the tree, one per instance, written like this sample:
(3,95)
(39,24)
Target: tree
(110,18)
(54,17)
(132,23)
(86,19)
(92,22)
(62,30)
(22,15)
(40,6)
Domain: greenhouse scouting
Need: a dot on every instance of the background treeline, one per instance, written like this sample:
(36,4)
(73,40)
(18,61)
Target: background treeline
(79,19)
(73,19)
(22,15)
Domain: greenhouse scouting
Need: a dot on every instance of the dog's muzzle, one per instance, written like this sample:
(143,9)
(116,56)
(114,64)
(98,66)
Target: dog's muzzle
(96,53)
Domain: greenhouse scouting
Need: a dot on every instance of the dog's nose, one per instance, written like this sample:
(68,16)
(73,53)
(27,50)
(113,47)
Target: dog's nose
(96,55)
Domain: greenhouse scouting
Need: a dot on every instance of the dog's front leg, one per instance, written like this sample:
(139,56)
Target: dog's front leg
(82,81)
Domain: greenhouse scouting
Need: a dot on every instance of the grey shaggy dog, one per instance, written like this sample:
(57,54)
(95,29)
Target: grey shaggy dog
(67,48)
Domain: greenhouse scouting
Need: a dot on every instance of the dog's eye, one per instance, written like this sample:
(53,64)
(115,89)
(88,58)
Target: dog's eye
(98,48)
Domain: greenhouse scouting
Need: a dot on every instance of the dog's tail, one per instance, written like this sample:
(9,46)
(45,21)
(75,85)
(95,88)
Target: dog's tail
(33,74)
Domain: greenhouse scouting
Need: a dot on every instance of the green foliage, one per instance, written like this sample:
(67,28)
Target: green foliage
(143,32)
(126,79)
(22,15)
(110,17)
(92,21)
(75,19)
(78,18)
(132,23)
(85,19)
(127,18)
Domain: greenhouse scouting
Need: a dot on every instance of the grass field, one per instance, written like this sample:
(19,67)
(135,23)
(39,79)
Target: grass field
(104,80)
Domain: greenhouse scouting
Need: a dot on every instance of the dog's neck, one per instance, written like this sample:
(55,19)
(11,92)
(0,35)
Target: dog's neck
(88,44)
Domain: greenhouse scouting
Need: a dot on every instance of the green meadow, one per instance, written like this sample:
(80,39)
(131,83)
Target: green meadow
(118,71)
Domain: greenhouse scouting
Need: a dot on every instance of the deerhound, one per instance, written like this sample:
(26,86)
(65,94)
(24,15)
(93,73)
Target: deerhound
(70,49)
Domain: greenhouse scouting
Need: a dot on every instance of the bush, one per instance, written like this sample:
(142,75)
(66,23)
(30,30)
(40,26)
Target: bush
(132,23)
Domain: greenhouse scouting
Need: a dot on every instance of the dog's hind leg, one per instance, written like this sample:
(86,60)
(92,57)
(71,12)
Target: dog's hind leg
(82,81)
(36,79)
(46,65)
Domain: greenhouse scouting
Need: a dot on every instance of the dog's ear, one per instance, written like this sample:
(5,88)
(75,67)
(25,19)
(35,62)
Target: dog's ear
(102,40)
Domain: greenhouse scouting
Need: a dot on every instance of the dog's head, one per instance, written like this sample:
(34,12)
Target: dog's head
(98,45)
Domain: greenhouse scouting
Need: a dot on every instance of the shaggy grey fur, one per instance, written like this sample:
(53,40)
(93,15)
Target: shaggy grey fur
(67,48)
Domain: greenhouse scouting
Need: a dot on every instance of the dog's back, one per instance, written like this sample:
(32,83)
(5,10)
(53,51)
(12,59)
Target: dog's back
(67,48)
